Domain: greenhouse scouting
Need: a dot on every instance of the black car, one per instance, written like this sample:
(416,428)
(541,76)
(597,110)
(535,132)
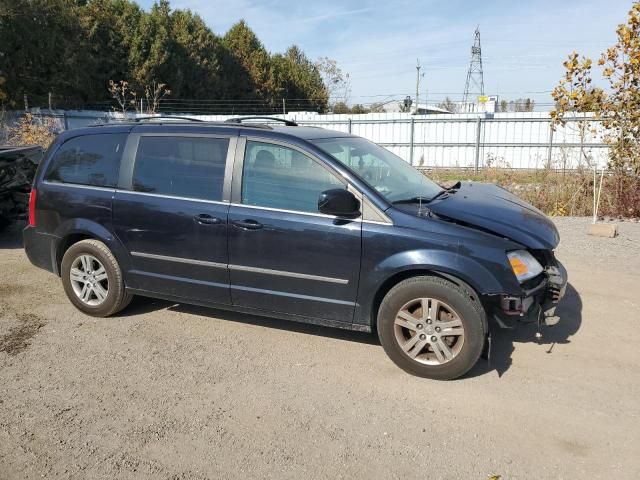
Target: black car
(293,222)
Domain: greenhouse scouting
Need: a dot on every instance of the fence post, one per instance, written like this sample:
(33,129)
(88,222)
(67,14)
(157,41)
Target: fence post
(478,129)
(411,146)
(66,122)
(550,151)
(349,125)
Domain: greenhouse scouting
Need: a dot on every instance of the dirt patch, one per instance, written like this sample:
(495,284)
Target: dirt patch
(19,337)
(7,290)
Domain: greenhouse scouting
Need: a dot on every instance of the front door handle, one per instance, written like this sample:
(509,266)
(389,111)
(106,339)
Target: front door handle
(248,224)
(205,219)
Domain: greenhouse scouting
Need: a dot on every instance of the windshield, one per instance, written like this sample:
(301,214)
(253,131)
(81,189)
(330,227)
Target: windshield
(387,173)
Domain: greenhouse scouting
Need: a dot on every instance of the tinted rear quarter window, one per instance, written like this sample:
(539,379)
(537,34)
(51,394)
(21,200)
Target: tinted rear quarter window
(88,160)
(190,167)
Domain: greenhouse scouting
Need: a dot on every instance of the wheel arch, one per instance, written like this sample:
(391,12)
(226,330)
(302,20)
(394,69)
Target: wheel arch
(402,275)
(74,231)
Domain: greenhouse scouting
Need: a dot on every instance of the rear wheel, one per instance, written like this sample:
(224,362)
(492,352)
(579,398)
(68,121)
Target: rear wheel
(92,279)
(431,327)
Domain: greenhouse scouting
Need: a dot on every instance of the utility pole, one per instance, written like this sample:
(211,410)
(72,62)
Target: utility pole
(474,85)
(418,67)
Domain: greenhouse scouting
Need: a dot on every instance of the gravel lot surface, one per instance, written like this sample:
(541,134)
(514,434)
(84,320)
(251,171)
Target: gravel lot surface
(180,392)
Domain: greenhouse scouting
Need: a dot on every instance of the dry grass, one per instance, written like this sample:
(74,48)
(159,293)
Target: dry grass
(555,192)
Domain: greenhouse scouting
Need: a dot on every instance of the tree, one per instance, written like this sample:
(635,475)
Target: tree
(405,105)
(151,48)
(522,105)
(448,105)
(340,107)
(3,94)
(517,105)
(377,107)
(246,63)
(110,27)
(300,80)
(196,58)
(39,50)
(72,48)
(359,109)
(619,106)
(337,83)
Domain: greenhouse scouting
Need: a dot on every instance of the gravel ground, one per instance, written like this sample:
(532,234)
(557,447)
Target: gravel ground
(180,392)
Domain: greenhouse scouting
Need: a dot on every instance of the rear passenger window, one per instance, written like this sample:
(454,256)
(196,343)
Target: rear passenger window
(181,166)
(88,160)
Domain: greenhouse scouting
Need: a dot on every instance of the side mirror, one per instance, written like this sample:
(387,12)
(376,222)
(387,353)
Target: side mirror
(339,202)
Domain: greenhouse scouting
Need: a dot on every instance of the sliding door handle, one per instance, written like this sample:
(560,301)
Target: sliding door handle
(247,224)
(205,219)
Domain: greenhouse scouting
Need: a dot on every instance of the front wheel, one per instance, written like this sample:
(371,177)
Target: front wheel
(432,328)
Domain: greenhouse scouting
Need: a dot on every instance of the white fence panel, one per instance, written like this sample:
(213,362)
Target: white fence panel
(512,140)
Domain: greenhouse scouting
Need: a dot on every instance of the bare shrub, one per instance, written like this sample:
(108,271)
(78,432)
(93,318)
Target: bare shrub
(32,131)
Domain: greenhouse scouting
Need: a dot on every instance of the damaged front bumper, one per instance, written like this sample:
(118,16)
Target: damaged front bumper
(537,303)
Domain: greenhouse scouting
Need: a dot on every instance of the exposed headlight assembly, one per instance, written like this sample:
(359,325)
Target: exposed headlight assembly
(523,264)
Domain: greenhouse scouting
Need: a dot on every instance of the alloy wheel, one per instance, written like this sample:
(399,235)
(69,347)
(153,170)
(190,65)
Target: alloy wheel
(89,280)
(429,331)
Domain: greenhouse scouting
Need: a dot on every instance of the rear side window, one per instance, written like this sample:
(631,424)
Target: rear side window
(88,160)
(181,166)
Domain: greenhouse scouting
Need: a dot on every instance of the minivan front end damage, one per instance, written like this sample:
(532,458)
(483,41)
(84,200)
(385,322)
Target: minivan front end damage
(539,298)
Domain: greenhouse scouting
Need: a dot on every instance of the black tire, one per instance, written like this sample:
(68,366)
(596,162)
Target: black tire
(117,297)
(465,303)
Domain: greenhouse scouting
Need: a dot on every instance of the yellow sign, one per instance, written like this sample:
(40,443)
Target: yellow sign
(483,99)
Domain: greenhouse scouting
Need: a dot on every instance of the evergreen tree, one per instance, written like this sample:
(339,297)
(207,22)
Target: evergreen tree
(246,63)
(74,48)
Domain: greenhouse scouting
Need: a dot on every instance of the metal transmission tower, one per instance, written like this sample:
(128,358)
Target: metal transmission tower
(474,86)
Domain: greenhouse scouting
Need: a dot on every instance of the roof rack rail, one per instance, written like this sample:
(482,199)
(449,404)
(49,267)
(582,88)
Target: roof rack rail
(288,123)
(166,117)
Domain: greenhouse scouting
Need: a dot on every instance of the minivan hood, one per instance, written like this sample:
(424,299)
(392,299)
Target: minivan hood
(495,209)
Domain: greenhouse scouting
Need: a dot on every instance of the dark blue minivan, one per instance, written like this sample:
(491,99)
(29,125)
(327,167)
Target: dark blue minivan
(293,222)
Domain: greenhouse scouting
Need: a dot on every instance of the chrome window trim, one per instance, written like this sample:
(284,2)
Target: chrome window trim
(214,202)
(80,185)
(173,197)
(376,222)
(323,215)
(297,212)
(283,273)
(189,261)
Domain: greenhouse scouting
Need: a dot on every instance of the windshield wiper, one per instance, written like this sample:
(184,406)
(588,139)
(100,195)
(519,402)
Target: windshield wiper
(420,199)
(440,194)
(412,200)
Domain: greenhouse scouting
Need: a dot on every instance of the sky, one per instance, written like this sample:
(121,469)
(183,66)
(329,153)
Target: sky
(524,42)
